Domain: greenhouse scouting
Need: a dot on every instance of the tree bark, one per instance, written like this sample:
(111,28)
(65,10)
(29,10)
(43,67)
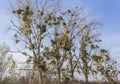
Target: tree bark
(86,78)
(71,68)
(40,78)
(59,78)
(86,75)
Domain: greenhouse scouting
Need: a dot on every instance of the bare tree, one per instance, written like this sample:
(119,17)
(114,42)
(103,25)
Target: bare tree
(6,61)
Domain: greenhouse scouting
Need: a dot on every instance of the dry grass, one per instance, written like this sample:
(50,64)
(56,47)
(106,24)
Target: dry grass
(26,81)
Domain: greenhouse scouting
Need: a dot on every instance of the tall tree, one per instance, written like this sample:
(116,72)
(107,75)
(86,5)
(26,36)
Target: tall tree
(31,29)
(89,46)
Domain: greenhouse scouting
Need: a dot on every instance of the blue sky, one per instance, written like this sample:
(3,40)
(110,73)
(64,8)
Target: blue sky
(107,12)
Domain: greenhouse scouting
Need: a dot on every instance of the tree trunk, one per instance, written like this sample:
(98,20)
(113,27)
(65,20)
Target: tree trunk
(71,68)
(86,74)
(86,78)
(72,75)
(59,76)
(40,78)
